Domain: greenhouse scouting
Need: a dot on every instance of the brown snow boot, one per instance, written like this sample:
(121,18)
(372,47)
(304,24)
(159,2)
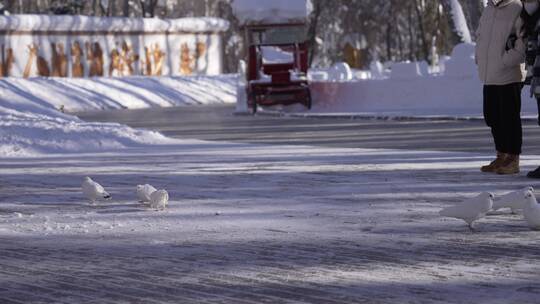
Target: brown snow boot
(510,165)
(494,165)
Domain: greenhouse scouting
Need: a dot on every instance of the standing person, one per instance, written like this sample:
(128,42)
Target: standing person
(500,52)
(531,18)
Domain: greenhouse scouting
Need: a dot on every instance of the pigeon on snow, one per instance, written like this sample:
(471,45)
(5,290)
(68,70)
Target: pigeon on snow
(513,200)
(144,192)
(531,211)
(159,199)
(471,210)
(93,191)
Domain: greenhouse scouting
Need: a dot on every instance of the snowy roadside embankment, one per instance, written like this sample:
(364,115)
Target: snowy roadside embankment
(408,89)
(79,94)
(31,123)
(432,96)
(24,134)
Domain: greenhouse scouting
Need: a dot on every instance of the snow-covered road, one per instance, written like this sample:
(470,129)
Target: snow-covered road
(260,224)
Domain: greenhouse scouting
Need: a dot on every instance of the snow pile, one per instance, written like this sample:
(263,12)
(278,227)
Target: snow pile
(461,63)
(31,123)
(377,70)
(410,91)
(271,12)
(275,55)
(405,70)
(24,133)
(77,94)
(340,72)
(116,24)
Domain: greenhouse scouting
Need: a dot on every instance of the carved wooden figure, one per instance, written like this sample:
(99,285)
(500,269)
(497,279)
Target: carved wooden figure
(55,61)
(200,50)
(94,56)
(159,58)
(10,58)
(58,60)
(32,52)
(7,61)
(63,60)
(148,62)
(128,58)
(115,63)
(77,67)
(186,60)
(42,65)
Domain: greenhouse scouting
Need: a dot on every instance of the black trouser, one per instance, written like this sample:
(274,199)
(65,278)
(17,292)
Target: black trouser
(538,103)
(502,113)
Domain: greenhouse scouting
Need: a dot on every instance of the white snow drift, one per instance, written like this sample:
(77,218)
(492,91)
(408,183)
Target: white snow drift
(31,123)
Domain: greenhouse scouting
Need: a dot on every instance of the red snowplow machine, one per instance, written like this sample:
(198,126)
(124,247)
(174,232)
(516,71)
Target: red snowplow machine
(277,65)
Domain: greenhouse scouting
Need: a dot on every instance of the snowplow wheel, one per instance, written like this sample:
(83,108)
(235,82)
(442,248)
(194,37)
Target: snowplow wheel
(308,99)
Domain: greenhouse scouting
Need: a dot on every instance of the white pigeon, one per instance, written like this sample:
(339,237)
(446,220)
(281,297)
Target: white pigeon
(93,191)
(531,211)
(144,192)
(513,200)
(472,209)
(159,199)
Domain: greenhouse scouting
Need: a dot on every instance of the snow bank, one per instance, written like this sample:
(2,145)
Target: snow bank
(78,94)
(377,70)
(116,24)
(31,123)
(461,63)
(340,71)
(410,90)
(404,70)
(24,134)
(271,12)
(418,96)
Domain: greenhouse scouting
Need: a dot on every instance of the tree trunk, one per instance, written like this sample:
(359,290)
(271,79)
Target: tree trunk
(143,8)
(412,44)
(148,7)
(111,10)
(389,42)
(312,30)
(125,8)
(420,16)
(456,20)
(9,4)
(475,9)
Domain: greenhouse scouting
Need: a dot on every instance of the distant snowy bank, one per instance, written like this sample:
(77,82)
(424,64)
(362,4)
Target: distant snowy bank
(31,123)
(78,94)
(450,89)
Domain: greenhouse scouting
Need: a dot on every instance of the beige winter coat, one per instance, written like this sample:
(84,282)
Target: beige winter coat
(496,66)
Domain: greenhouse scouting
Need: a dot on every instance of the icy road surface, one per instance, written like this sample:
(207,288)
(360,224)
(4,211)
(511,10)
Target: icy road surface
(254,223)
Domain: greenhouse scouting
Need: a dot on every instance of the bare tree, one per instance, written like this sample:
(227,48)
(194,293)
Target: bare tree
(312,30)
(125,8)
(456,20)
(148,7)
